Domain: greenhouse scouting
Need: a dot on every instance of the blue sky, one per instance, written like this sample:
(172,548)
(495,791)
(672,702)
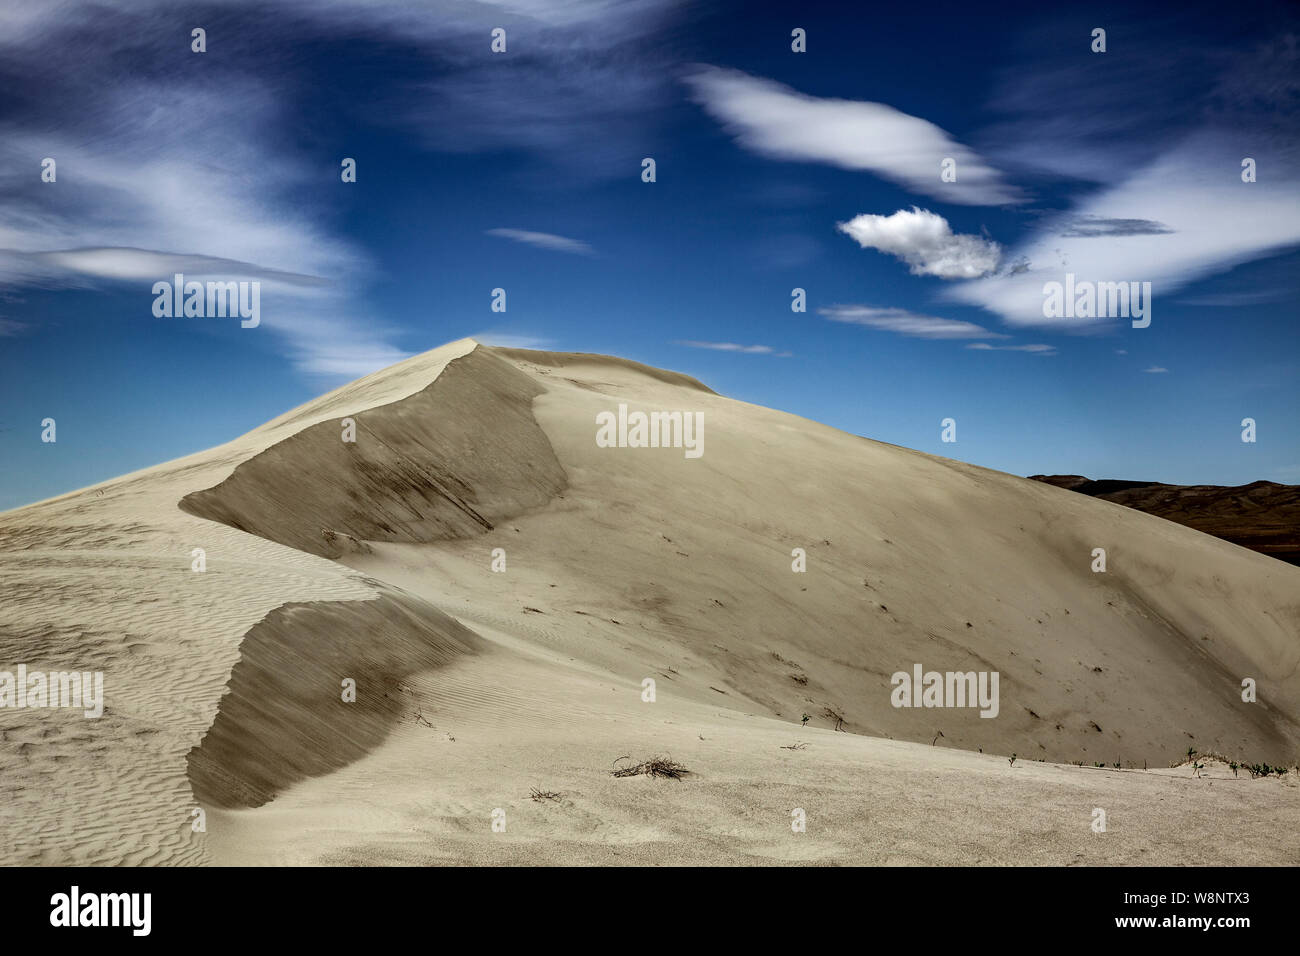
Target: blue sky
(775,170)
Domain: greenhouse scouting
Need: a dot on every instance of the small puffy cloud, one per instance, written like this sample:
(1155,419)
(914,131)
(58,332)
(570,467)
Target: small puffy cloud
(926,242)
(544,240)
(1155,370)
(734,347)
(777,121)
(907,323)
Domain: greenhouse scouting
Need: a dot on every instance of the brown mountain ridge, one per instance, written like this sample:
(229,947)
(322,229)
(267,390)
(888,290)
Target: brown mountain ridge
(1263,516)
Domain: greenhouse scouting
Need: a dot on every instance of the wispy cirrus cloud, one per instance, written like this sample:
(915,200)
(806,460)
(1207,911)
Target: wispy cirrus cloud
(126,263)
(544,240)
(1094,227)
(154,179)
(1036,349)
(199,163)
(926,242)
(776,121)
(907,323)
(1215,221)
(1174,207)
(734,347)
(1236,299)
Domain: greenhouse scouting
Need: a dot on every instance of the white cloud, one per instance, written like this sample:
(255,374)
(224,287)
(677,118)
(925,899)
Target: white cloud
(1155,369)
(155,180)
(1236,300)
(544,240)
(1036,349)
(907,323)
(1216,222)
(926,242)
(733,347)
(777,121)
(124,263)
(198,171)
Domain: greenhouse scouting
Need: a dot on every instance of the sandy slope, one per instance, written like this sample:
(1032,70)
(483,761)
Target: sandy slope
(1263,515)
(624,564)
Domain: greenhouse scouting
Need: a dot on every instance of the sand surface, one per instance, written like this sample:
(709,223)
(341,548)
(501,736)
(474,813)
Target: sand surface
(373,561)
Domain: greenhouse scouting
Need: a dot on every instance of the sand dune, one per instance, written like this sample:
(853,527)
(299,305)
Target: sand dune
(374,560)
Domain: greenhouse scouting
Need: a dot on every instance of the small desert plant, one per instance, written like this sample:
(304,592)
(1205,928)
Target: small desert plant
(795,746)
(540,795)
(806,718)
(654,767)
(1012,760)
(1234,765)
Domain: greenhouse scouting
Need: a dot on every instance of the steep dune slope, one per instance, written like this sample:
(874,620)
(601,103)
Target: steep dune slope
(620,564)
(441,463)
(101,580)
(912,560)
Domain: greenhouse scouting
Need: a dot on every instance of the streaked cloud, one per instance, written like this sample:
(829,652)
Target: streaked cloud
(123,262)
(156,178)
(1215,220)
(907,323)
(544,240)
(1235,299)
(1172,158)
(734,347)
(1094,227)
(1036,349)
(774,120)
(200,171)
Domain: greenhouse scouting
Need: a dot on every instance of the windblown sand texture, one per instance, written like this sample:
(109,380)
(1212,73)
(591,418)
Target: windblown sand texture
(372,560)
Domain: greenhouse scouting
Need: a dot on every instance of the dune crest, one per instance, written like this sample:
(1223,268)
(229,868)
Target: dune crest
(445,462)
(503,587)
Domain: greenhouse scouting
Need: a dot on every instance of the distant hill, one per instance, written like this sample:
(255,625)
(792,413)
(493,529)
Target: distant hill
(1263,515)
